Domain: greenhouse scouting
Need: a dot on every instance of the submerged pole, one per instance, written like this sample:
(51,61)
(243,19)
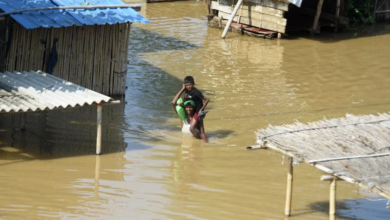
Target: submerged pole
(332,197)
(99,129)
(231,19)
(287,210)
(97,177)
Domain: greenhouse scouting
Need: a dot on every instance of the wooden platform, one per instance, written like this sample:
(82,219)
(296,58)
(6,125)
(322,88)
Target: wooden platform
(243,29)
(355,148)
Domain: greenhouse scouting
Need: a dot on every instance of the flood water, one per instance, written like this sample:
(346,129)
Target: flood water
(148,171)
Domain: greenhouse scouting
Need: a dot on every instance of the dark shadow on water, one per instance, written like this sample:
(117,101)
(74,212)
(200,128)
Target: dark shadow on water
(62,133)
(355,209)
(328,35)
(220,134)
(145,41)
(72,132)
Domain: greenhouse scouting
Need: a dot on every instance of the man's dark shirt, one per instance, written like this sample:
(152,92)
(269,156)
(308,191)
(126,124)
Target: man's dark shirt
(195,96)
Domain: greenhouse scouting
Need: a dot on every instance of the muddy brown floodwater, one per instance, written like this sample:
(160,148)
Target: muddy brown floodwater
(148,171)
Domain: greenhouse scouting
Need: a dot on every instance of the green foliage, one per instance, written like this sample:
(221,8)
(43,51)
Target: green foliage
(359,12)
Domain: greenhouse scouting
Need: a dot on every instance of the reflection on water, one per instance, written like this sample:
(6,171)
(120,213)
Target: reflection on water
(148,171)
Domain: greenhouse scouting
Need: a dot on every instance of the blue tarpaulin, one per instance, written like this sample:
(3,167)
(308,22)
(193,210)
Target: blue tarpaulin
(69,17)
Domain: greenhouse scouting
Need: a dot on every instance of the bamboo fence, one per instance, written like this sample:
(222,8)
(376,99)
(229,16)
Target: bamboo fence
(3,42)
(94,57)
(353,148)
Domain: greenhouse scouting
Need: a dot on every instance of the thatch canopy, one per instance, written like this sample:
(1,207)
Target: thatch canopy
(365,138)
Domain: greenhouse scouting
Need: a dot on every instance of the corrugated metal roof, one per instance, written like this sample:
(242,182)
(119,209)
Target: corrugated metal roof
(69,17)
(36,91)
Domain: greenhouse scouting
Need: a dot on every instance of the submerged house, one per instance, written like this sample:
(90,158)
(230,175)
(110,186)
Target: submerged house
(271,18)
(76,40)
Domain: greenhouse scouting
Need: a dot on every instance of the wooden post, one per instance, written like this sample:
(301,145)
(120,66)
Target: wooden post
(287,211)
(279,35)
(231,18)
(336,25)
(332,198)
(315,25)
(99,129)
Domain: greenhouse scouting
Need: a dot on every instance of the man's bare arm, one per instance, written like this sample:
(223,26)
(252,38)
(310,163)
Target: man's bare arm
(206,101)
(177,97)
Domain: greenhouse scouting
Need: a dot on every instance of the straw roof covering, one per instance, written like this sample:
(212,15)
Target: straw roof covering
(365,138)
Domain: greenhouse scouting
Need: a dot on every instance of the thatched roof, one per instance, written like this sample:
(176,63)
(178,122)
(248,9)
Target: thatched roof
(366,138)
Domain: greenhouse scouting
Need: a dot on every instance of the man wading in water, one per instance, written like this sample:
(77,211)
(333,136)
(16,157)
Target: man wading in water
(190,123)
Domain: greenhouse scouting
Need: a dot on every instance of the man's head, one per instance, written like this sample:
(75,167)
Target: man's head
(189,107)
(189,83)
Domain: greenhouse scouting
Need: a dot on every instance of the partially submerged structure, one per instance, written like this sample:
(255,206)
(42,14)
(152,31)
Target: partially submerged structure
(271,18)
(79,41)
(355,149)
(39,91)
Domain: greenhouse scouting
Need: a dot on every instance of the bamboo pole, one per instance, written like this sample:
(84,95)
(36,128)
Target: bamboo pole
(19,52)
(287,211)
(91,55)
(123,79)
(101,50)
(32,50)
(113,57)
(332,197)
(61,52)
(330,178)
(232,17)
(121,41)
(80,56)
(348,158)
(99,129)
(336,25)
(73,62)
(109,61)
(315,25)
(95,66)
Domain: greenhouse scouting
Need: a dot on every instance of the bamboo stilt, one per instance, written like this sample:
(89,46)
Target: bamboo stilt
(287,211)
(332,197)
(99,129)
(319,8)
(336,25)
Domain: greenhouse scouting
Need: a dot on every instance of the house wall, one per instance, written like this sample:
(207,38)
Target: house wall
(383,7)
(94,57)
(266,15)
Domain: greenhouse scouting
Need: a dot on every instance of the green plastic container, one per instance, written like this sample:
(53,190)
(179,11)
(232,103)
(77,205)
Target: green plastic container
(180,110)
